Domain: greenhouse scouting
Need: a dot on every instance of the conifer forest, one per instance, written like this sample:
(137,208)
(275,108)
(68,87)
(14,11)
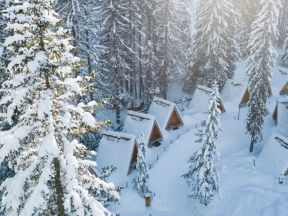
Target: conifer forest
(143,107)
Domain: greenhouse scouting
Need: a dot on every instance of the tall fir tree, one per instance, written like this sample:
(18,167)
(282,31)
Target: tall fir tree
(283,36)
(171,44)
(284,57)
(203,175)
(82,17)
(259,66)
(246,13)
(214,44)
(283,23)
(3,34)
(142,179)
(114,62)
(152,82)
(40,103)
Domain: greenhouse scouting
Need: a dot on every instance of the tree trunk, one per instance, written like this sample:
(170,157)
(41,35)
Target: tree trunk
(59,189)
(251,147)
(90,71)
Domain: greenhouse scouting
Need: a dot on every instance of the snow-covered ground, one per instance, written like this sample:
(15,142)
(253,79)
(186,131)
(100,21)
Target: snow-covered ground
(245,189)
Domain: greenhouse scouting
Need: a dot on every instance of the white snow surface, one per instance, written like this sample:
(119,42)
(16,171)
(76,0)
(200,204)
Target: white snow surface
(274,156)
(245,188)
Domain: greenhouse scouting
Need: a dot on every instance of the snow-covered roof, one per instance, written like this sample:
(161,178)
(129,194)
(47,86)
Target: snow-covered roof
(163,110)
(116,149)
(136,123)
(275,155)
(233,90)
(201,98)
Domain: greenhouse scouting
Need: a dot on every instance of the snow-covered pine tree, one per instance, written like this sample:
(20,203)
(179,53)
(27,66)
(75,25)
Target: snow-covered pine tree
(135,82)
(3,4)
(5,172)
(202,176)
(259,66)
(171,24)
(283,36)
(114,67)
(151,79)
(142,179)
(246,13)
(3,34)
(82,17)
(283,23)
(214,44)
(284,57)
(40,103)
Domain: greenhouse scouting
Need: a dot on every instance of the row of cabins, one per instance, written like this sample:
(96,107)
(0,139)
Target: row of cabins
(120,148)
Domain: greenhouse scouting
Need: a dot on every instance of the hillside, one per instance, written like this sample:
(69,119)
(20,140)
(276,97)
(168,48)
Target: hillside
(245,189)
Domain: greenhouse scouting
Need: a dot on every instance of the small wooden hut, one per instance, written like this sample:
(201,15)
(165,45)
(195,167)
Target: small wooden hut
(201,98)
(167,114)
(136,123)
(118,150)
(245,98)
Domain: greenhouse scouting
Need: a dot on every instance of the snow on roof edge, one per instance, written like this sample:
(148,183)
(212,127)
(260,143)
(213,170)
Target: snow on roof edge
(118,134)
(170,103)
(205,88)
(141,115)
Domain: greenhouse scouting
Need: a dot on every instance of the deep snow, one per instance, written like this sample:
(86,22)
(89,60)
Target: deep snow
(246,189)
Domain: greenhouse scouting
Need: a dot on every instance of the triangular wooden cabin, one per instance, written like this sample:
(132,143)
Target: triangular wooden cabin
(280,114)
(118,150)
(284,89)
(136,123)
(245,98)
(275,155)
(201,98)
(167,114)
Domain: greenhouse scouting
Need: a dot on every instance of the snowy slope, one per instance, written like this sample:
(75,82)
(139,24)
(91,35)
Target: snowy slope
(245,189)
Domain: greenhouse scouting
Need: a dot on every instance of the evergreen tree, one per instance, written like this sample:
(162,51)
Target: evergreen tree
(5,172)
(152,82)
(114,65)
(202,176)
(82,17)
(283,22)
(171,43)
(214,44)
(3,34)
(142,179)
(40,103)
(3,5)
(246,13)
(284,57)
(259,66)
